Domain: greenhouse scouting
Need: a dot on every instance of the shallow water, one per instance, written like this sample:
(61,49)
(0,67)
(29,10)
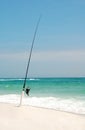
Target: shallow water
(67,94)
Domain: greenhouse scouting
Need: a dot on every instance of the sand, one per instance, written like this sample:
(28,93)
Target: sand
(33,118)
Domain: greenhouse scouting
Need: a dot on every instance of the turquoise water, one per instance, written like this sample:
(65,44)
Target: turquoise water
(67,94)
(45,86)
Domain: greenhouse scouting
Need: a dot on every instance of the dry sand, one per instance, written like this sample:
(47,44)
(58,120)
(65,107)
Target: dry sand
(33,118)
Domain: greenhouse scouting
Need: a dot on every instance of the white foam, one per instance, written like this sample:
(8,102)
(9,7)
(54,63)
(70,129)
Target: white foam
(33,79)
(69,105)
(10,79)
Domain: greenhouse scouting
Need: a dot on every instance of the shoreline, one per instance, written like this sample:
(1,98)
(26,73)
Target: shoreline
(23,105)
(36,118)
(55,110)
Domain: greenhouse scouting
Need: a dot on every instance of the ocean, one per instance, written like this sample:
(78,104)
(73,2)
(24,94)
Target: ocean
(64,94)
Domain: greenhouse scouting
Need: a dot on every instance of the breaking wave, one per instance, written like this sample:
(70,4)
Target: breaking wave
(69,105)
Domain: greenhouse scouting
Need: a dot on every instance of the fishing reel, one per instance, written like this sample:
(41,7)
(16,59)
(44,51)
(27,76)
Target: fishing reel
(27,90)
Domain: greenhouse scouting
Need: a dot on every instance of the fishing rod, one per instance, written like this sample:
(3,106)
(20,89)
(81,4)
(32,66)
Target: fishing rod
(28,63)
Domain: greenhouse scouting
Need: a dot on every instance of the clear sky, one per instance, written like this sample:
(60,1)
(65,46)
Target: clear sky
(59,49)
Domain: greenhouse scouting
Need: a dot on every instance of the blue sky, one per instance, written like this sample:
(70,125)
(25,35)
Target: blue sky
(59,48)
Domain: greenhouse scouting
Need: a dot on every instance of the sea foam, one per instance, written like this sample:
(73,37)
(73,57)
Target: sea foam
(69,105)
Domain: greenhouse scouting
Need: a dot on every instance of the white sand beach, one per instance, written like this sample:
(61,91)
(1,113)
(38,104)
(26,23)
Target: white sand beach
(33,118)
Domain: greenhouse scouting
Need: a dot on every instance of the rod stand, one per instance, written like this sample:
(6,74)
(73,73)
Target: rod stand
(22,95)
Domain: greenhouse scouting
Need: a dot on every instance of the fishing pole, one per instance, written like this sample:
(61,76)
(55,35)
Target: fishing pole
(28,63)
